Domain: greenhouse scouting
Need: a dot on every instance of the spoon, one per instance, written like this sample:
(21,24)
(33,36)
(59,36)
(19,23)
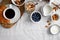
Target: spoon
(56,5)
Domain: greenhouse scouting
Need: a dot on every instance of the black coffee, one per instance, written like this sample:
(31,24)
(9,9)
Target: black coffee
(36,17)
(10,13)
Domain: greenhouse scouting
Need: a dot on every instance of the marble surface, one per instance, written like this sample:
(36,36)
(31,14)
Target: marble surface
(26,30)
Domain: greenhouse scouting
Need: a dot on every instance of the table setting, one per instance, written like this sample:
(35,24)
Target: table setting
(30,20)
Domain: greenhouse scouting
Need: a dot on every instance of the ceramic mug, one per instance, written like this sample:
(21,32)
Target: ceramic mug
(55,17)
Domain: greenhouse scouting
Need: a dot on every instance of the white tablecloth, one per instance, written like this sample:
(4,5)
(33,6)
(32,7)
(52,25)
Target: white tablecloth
(26,30)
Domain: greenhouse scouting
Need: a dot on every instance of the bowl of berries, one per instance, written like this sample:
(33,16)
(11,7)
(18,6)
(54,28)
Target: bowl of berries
(35,16)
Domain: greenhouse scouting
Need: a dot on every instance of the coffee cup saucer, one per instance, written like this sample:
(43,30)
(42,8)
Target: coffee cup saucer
(17,13)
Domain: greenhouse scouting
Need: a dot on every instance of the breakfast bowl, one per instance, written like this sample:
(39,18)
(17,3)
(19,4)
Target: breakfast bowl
(35,16)
(29,6)
(18,2)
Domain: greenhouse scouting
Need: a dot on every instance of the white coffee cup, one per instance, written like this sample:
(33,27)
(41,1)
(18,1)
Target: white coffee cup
(16,13)
(56,15)
(5,12)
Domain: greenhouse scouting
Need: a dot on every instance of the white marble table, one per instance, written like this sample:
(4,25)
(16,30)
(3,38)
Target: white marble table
(26,30)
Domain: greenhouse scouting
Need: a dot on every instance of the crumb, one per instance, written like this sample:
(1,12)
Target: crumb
(46,26)
(55,8)
(49,23)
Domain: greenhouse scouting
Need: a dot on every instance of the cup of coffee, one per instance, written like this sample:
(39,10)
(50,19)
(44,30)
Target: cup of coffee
(18,2)
(10,16)
(35,16)
(54,17)
(11,13)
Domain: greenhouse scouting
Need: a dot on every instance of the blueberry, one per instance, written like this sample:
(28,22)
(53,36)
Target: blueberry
(36,17)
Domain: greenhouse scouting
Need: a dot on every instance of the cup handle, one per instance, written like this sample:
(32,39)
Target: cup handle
(10,6)
(36,3)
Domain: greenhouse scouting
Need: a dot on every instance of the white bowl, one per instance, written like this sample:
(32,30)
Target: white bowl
(31,16)
(47,10)
(54,29)
(17,4)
